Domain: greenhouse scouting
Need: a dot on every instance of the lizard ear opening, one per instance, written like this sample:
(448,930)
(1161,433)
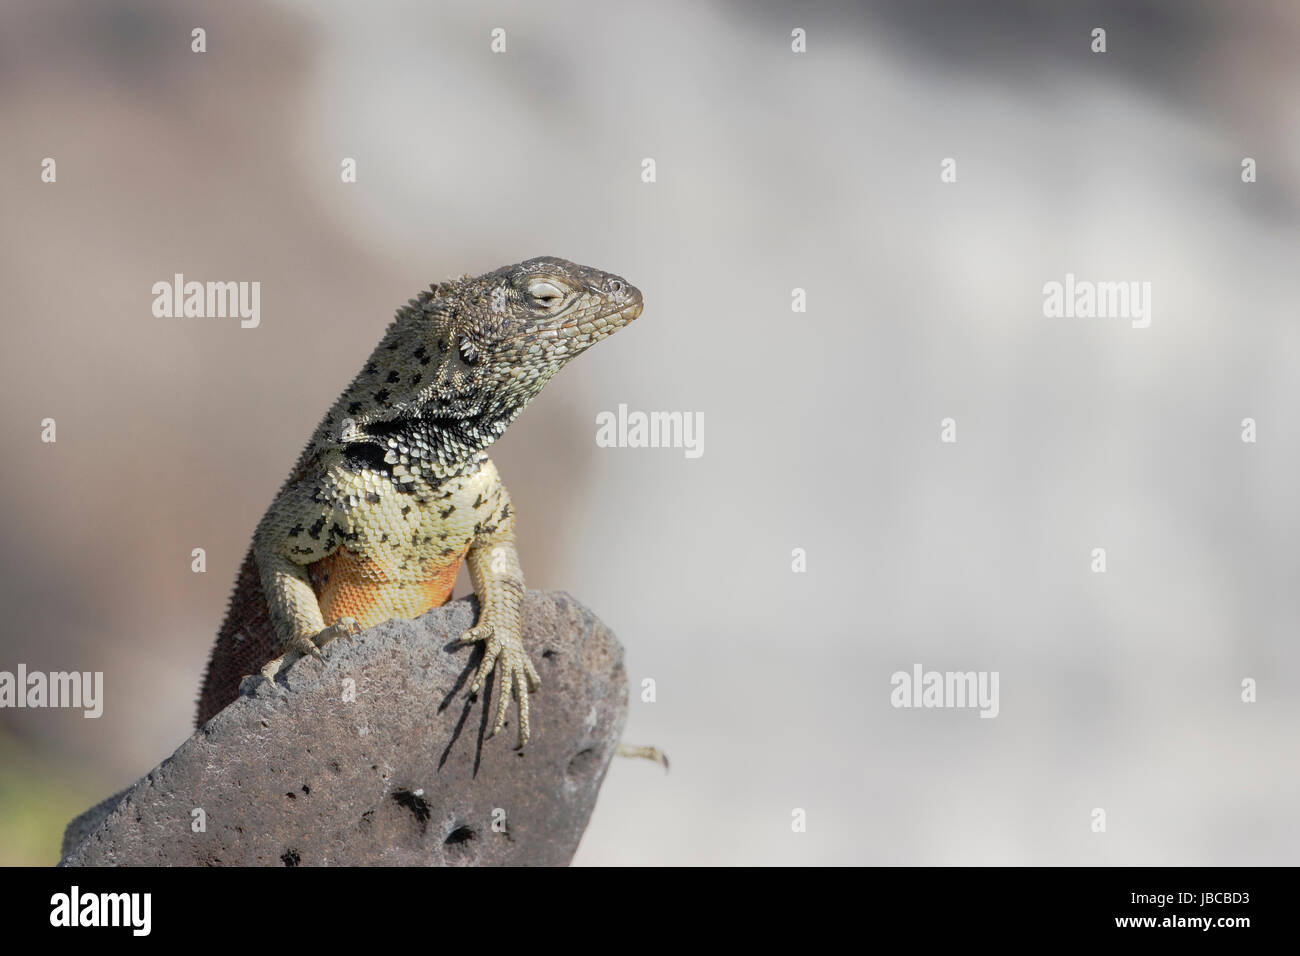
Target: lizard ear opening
(468,350)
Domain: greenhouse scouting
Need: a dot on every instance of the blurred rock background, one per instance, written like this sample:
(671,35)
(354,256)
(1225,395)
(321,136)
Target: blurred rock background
(775,171)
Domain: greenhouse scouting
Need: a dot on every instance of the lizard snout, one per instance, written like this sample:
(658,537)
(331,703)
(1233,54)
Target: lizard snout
(625,295)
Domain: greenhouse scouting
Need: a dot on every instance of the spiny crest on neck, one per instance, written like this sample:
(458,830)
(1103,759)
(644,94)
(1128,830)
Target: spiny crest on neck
(446,289)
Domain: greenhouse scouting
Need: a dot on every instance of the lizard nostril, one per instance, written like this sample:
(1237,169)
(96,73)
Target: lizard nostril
(616,287)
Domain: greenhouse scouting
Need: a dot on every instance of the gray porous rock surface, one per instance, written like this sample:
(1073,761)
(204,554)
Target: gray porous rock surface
(376,756)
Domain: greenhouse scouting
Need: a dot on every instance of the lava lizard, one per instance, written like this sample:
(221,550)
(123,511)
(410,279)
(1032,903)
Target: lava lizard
(395,488)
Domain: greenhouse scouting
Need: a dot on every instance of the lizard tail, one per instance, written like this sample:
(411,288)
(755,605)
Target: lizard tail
(245,642)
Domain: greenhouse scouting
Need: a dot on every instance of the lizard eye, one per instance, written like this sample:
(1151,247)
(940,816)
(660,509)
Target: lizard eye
(546,294)
(468,350)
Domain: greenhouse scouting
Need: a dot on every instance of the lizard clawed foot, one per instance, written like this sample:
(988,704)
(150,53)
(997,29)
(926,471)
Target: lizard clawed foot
(504,651)
(343,627)
(309,646)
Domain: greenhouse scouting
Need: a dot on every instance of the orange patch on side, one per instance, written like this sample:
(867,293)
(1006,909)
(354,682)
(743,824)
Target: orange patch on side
(350,585)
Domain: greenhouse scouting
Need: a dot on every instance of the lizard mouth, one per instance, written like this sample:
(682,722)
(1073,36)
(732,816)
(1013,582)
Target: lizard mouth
(602,324)
(617,318)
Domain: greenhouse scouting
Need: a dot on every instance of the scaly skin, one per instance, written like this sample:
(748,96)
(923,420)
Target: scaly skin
(395,489)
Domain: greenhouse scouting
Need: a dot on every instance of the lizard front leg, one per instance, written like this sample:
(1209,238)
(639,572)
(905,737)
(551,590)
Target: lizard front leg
(499,583)
(283,547)
(298,623)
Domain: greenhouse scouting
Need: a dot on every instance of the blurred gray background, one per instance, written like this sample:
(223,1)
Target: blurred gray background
(775,171)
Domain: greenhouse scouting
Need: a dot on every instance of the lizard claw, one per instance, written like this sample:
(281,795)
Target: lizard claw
(480,632)
(343,627)
(506,655)
(310,646)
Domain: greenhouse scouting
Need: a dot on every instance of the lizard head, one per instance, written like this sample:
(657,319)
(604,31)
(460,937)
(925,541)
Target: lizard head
(463,359)
(497,339)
